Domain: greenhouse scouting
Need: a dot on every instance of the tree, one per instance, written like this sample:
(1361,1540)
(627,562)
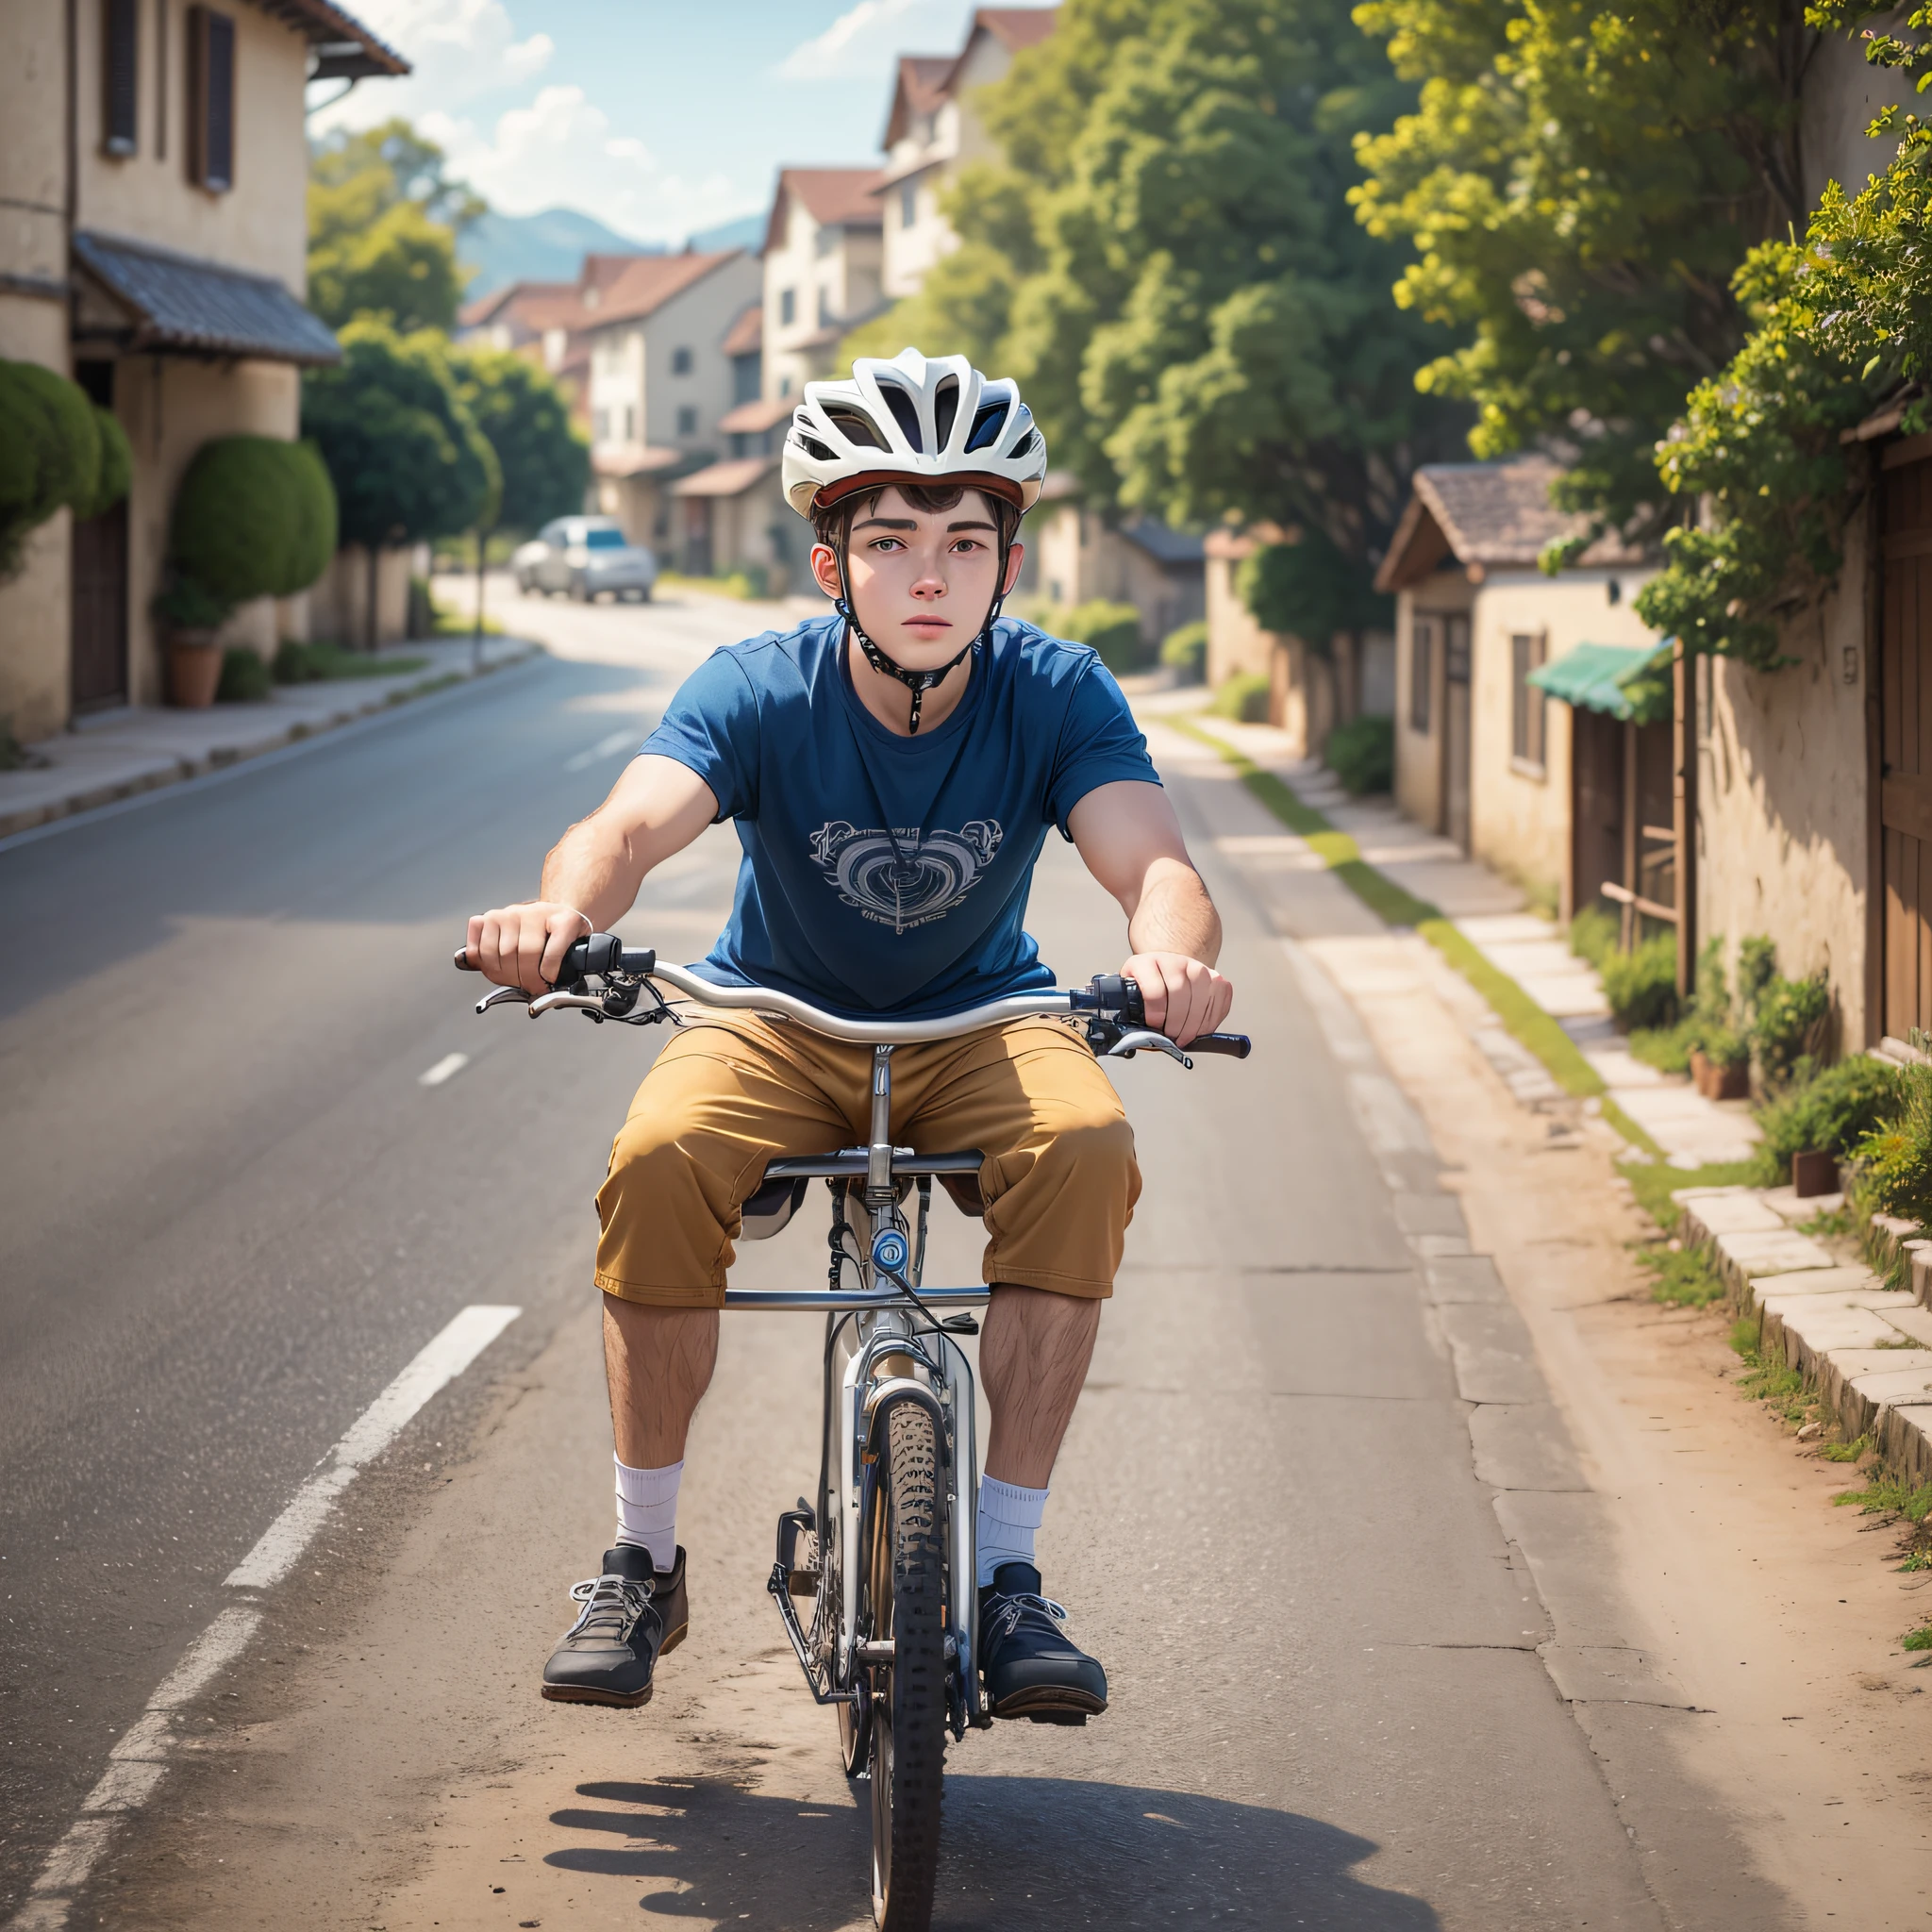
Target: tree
(544,460)
(57,450)
(1580,185)
(383,221)
(405,454)
(1169,264)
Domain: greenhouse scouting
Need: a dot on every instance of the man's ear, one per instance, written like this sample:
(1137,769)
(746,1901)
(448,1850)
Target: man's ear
(1016,555)
(824,569)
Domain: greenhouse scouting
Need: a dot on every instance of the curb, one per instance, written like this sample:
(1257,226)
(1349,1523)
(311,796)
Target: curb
(219,757)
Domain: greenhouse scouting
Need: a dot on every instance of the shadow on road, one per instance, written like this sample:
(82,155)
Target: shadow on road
(1019,1852)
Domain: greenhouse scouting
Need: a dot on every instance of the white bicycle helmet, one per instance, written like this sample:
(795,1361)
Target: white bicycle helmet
(912,420)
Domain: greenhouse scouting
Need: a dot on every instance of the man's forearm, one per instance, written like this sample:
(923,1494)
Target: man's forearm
(1176,915)
(596,869)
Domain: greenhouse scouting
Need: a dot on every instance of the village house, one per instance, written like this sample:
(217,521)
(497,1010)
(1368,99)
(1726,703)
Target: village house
(154,177)
(932,131)
(821,271)
(1075,555)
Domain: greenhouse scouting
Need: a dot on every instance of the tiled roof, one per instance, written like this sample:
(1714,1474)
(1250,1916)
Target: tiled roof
(345,49)
(919,87)
(833,197)
(648,282)
(751,419)
(746,336)
(182,303)
(727,478)
(634,460)
(1015,27)
(1163,541)
(1496,515)
(522,297)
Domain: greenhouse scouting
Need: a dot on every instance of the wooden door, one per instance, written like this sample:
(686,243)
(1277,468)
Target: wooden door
(98,656)
(1905,792)
(1596,806)
(1455,729)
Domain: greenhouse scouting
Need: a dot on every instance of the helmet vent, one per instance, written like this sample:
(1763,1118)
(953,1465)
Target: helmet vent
(987,426)
(906,412)
(1022,446)
(815,449)
(945,405)
(854,426)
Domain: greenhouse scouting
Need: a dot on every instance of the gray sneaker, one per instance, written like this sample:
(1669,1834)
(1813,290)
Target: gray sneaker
(631,1616)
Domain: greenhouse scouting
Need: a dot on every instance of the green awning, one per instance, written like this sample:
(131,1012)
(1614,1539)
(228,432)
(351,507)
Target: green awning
(1598,678)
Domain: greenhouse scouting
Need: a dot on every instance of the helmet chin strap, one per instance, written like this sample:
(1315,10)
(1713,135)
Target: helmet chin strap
(918,682)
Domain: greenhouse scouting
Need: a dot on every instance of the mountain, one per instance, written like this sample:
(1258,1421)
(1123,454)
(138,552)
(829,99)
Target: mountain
(547,247)
(747,231)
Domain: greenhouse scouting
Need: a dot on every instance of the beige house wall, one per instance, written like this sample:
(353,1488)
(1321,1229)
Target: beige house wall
(1077,558)
(1520,818)
(338,605)
(1783,844)
(1235,641)
(847,270)
(757,527)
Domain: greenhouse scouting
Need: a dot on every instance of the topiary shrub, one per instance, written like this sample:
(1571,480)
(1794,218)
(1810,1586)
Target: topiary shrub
(1112,629)
(1184,653)
(1828,1114)
(254,517)
(245,677)
(1362,754)
(1242,697)
(55,450)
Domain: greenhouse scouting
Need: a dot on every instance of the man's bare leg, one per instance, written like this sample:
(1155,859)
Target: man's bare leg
(658,1363)
(1033,1355)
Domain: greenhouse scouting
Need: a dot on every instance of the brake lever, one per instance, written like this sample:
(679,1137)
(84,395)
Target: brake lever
(563,1002)
(500,995)
(1132,1041)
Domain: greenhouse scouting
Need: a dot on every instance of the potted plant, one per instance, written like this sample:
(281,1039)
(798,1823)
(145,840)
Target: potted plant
(190,615)
(1721,1065)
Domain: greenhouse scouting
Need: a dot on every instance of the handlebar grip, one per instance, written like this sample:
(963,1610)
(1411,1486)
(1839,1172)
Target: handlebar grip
(463,962)
(598,952)
(1236,1046)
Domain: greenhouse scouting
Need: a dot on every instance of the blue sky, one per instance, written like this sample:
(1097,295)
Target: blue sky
(657,116)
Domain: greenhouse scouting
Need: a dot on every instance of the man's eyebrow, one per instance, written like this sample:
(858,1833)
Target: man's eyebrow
(889,523)
(980,525)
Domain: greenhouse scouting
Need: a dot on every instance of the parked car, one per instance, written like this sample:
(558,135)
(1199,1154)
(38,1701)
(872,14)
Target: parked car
(585,557)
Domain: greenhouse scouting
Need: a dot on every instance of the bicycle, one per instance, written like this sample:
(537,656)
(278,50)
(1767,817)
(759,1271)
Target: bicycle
(884,1554)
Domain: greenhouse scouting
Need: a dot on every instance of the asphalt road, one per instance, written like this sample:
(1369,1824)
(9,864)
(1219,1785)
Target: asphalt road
(233,1212)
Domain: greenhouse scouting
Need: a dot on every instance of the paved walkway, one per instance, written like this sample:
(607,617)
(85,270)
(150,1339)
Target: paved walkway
(1493,915)
(149,745)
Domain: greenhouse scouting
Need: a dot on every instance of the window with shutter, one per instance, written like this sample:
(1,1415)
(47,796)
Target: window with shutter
(120,47)
(211,99)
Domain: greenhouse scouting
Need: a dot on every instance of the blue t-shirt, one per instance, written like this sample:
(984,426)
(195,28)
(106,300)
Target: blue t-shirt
(922,920)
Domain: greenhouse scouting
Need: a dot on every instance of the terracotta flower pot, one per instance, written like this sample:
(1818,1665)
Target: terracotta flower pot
(1719,1083)
(194,669)
(1813,1173)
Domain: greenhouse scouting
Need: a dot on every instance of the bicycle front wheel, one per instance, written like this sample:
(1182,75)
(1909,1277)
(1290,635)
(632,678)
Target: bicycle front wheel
(907,1572)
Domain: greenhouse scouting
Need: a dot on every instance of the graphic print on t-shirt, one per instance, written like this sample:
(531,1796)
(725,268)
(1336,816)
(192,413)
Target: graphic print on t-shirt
(904,879)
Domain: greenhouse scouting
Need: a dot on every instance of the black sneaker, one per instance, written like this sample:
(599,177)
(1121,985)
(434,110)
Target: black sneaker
(1032,1668)
(632,1615)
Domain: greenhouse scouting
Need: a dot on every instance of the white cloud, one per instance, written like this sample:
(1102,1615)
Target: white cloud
(560,150)
(457,50)
(866,41)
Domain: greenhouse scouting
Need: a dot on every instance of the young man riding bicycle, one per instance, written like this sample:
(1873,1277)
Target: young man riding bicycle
(892,770)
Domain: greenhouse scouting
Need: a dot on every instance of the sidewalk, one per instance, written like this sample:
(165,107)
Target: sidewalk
(1492,915)
(149,745)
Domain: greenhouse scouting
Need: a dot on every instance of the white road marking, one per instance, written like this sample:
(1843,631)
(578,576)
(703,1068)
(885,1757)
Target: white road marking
(447,1068)
(603,748)
(139,1762)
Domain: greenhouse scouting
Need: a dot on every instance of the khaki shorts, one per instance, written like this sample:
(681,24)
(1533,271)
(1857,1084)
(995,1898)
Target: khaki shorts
(1058,1177)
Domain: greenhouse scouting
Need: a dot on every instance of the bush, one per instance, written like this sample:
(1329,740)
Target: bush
(186,604)
(55,449)
(1242,697)
(1362,754)
(245,677)
(1829,1113)
(316,663)
(1666,1048)
(1896,1156)
(1185,652)
(1112,629)
(1642,985)
(254,517)
(1789,1024)
(1594,933)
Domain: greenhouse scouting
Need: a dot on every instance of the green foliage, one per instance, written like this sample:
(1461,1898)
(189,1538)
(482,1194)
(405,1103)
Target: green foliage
(254,517)
(1920,1638)
(1831,1113)
(299,663)
(1845,1451)
(244,679)
(544,462)
(1593,934)
(1666,1048)
(1362,754)
(1578,185)
(1768,1377)
(1894,1156)
(1790,1020)
(1167,264)
(1642,985)
(1112,629)
(1682,1277)
(1311,588)
(186,604)
(383,219)
(1652,1183)
(57,450)
(1185,652)
(1889,1496)
(1242,697)
(407,457)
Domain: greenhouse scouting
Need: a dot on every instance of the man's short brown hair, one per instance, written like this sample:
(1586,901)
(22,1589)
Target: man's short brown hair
(833,527)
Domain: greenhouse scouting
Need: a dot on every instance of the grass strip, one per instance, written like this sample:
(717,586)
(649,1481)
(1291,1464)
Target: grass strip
(1396,905)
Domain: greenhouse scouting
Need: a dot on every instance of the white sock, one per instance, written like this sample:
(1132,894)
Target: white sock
(647,1510)
(1008,1515)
